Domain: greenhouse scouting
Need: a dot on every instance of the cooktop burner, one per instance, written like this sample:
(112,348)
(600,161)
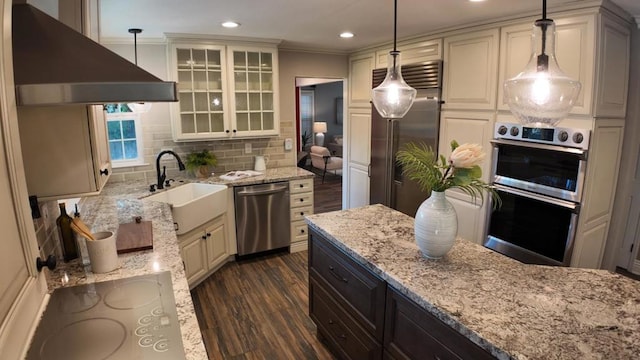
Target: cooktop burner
(133,318)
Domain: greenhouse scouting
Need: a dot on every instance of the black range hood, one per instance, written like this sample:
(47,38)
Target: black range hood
(55,65)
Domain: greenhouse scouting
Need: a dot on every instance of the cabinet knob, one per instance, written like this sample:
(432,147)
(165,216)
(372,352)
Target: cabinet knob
(204,237)
(302,231)
(301,186)
(301,213)
(234,131)
(227,131)
(208,234)
(49,263)
(301,200)
(104,172)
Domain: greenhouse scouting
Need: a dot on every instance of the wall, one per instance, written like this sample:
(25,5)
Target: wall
(156,124)
(326,96)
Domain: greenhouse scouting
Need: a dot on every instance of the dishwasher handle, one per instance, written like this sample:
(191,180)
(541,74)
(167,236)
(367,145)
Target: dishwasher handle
(263,192)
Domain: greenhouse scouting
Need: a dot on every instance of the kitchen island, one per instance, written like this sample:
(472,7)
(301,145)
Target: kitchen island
(510,309)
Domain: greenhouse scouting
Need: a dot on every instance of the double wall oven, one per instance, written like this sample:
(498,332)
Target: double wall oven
(539,174)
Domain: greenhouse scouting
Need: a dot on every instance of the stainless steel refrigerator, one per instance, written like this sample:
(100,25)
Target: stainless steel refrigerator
(388,186)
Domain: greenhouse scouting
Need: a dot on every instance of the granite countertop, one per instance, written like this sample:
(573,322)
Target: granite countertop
(119,203)
(511,309)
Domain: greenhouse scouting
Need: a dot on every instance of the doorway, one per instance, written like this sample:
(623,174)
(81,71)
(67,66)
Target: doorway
(319,121)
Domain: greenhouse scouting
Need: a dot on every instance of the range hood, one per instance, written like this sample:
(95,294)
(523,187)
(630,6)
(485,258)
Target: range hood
(56,65)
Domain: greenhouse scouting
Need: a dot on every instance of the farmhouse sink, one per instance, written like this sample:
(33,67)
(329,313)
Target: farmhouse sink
(193,204)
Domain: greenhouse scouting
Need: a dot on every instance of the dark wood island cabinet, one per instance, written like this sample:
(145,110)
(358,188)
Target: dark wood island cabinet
(360,317)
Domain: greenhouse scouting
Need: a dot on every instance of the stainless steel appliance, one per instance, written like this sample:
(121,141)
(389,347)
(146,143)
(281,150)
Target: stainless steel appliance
(388,186)
(539,175)
(263,218)
(132,318)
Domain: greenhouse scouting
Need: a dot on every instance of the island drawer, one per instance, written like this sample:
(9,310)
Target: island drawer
(346,338)
(413,333)
(360,292)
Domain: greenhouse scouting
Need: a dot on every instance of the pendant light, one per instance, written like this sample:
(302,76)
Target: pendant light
(393,98)
(137,107)
(541,95)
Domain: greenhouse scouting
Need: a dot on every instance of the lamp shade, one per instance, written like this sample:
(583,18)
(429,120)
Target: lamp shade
(393,97)
(320,127)
(541,95)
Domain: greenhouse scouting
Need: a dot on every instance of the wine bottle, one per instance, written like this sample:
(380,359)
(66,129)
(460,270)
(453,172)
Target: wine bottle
(67,236)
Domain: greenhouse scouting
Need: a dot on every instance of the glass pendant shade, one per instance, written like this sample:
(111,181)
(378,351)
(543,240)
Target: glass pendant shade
(393,98)
(541,95)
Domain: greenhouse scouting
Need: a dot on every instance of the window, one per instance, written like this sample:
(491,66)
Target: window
(125,136)
(307,111)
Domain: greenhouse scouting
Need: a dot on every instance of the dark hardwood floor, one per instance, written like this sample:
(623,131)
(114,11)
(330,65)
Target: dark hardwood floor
(327,195)
(258,309)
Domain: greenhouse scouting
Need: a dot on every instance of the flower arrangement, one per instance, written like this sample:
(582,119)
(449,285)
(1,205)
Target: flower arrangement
(461,170)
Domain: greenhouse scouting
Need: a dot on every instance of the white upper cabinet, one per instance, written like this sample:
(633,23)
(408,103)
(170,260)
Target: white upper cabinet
(224,91)
(360,80)
(253,88)
(470,70)
(575,43)
(613,69)
(64,149)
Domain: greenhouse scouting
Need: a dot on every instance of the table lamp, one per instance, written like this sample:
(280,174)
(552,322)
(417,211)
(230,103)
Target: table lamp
(320,128)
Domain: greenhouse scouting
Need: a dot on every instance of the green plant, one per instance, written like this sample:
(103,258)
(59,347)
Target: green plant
(200,158)
(306,137)
(461,170)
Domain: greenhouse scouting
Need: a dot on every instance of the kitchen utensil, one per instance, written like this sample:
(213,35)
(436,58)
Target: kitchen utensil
(81,229)
(102,252)
(261,163)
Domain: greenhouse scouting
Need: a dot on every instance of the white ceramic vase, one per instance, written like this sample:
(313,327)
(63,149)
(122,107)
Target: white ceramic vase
(436,226)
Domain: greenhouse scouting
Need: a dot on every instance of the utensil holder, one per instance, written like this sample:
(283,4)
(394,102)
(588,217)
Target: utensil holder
(102,251)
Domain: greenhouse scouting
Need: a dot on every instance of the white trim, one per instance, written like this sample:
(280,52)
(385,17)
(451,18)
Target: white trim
(636,267)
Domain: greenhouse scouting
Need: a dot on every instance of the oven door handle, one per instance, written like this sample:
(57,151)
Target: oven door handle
(575,208)
(582,154)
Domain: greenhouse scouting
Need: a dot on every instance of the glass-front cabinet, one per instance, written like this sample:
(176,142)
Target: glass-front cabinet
(253,89)
(224,91)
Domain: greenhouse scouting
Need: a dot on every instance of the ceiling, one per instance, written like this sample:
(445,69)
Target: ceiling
(312,24)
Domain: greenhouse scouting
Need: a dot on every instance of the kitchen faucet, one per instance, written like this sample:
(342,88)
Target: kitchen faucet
(163,176)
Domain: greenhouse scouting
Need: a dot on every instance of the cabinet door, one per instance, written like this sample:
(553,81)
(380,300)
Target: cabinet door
(358,157)
(574,53)
(426,50)
(101,156)
(216,242)
(471,70)
(360,73)
(410,332)
(200,73)
(613,72)
(254,88)
(194,253)
(57,151)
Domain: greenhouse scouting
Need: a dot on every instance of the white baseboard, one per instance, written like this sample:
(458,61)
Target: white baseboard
(636,267)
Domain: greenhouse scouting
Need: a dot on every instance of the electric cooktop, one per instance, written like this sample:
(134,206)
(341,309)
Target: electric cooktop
(132,318)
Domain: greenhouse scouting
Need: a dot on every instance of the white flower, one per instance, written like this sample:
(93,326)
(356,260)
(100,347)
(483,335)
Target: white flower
(466,156)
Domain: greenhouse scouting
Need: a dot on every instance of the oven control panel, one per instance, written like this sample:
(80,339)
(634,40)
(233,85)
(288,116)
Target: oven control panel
(576,138)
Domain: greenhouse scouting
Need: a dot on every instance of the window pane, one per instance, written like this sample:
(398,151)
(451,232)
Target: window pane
(128,129)
(116,150)
(130,149)
(114,130)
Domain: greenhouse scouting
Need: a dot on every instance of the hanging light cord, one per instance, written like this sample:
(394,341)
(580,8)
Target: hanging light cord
(135,33)
(395,23)
(543,59)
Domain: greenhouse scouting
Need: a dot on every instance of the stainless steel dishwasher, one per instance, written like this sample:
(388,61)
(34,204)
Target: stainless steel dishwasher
(262,217)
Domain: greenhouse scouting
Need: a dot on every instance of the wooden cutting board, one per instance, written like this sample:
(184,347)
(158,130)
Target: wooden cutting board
(134,236)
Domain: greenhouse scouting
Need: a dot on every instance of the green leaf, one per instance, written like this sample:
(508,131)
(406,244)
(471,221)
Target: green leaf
(454,145)
(475,172)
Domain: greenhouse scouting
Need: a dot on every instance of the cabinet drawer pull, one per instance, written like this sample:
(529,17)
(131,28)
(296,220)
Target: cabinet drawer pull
(204,237)
(208,234)
(301,186)
(335,274)
(301,200)
(301,213)
(104,172)
(301,231)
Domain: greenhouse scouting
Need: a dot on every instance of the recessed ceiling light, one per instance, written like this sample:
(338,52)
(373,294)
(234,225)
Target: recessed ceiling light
(230,24)
(476,0)
(346,35)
